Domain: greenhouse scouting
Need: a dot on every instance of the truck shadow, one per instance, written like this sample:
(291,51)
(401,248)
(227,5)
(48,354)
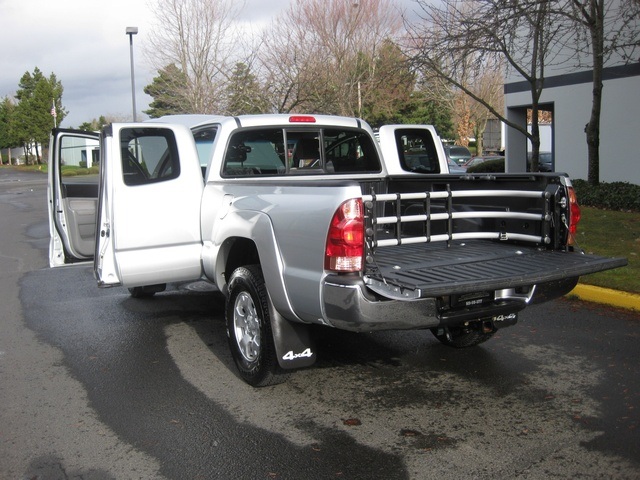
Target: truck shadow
(117,348)
(390,355)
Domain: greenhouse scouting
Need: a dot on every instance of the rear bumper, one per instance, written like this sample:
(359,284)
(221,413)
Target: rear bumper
(349,305)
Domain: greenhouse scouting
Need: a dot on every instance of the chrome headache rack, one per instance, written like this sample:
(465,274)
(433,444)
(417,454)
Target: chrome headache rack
(404,206)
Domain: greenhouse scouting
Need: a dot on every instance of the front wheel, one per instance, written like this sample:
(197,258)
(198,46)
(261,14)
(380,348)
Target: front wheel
(147,290)
(249,329)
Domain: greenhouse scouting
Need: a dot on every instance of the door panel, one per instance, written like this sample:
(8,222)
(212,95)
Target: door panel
(81,219)
(72,196)
(149,206)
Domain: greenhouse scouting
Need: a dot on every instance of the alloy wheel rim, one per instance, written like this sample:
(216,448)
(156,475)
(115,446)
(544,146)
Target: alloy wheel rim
(246,324)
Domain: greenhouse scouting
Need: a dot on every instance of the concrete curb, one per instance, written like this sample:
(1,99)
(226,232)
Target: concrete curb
(614,298)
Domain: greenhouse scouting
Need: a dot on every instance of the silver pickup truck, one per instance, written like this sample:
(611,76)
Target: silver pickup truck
(304,220)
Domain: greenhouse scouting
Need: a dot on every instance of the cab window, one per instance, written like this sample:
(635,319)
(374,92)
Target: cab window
(255,152)
(417,151)
(299,151)
(204,138)
(350,151)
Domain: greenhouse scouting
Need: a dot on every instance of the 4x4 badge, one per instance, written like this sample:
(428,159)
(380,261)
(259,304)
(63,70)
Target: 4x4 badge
(292,356)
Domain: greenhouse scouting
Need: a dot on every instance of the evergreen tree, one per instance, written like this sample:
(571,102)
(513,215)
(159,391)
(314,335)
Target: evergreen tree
(8,138)
(386,86)
(168,90)
(38,99)
(94,125)
(425,107)
(244,93)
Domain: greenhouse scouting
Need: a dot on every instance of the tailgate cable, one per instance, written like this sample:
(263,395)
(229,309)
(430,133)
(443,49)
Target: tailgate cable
(370,238)
(572,237)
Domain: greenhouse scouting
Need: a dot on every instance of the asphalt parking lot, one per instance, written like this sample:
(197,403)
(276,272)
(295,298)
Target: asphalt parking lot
(98,385)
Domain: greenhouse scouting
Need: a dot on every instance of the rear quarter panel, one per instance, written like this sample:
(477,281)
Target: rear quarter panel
(288,222)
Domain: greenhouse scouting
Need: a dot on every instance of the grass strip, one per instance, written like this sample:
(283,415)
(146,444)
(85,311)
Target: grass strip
(612,234)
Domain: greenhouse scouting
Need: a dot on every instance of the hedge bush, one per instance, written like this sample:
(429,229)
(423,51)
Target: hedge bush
(490,166)
(623,196)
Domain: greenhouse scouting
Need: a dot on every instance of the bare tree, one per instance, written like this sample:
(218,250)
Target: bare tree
(457,40)
(470,116)
(197,37)
(489,85)
(611,29)
(322,55)
(287,64)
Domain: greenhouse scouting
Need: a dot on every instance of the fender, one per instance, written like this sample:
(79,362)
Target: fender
(250,225)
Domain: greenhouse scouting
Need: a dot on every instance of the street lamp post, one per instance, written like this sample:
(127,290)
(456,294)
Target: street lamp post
(131,31)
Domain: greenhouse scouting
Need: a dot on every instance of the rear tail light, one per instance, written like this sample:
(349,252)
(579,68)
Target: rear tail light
(574,215)
(345,240)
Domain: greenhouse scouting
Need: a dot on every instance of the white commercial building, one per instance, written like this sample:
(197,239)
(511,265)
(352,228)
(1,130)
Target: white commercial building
(567,94)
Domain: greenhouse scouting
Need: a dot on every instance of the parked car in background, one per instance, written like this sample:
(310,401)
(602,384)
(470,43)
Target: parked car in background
(545,162)
(457,153)
(455,168)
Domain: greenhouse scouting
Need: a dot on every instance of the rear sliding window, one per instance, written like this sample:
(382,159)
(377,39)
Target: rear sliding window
(277,151)
(416,150)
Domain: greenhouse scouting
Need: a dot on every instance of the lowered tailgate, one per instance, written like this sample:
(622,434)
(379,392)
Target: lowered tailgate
(436,269)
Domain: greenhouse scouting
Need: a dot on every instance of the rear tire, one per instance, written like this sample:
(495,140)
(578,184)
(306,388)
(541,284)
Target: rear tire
(249,329)
(462,336)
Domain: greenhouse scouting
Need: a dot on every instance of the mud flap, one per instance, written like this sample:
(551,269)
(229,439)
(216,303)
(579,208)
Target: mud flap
(293,341)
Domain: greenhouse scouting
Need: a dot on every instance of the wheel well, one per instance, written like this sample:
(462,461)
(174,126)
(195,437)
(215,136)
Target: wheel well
(241,252)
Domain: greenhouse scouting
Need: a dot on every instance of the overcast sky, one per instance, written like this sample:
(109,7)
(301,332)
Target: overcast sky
(83,42)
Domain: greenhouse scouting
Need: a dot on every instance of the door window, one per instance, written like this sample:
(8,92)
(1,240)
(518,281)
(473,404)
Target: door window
(149,155)
(76,150)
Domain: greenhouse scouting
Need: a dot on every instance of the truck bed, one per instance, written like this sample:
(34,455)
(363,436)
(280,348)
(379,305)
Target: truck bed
(435,269)
(471,236)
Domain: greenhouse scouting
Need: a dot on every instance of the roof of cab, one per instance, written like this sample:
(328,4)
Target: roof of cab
(195,120)
(189,120)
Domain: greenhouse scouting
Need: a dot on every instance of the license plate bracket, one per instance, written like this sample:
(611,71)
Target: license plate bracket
(470,300)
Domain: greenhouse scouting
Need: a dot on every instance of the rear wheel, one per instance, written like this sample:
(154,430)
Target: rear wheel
(249,329)
(465,335)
